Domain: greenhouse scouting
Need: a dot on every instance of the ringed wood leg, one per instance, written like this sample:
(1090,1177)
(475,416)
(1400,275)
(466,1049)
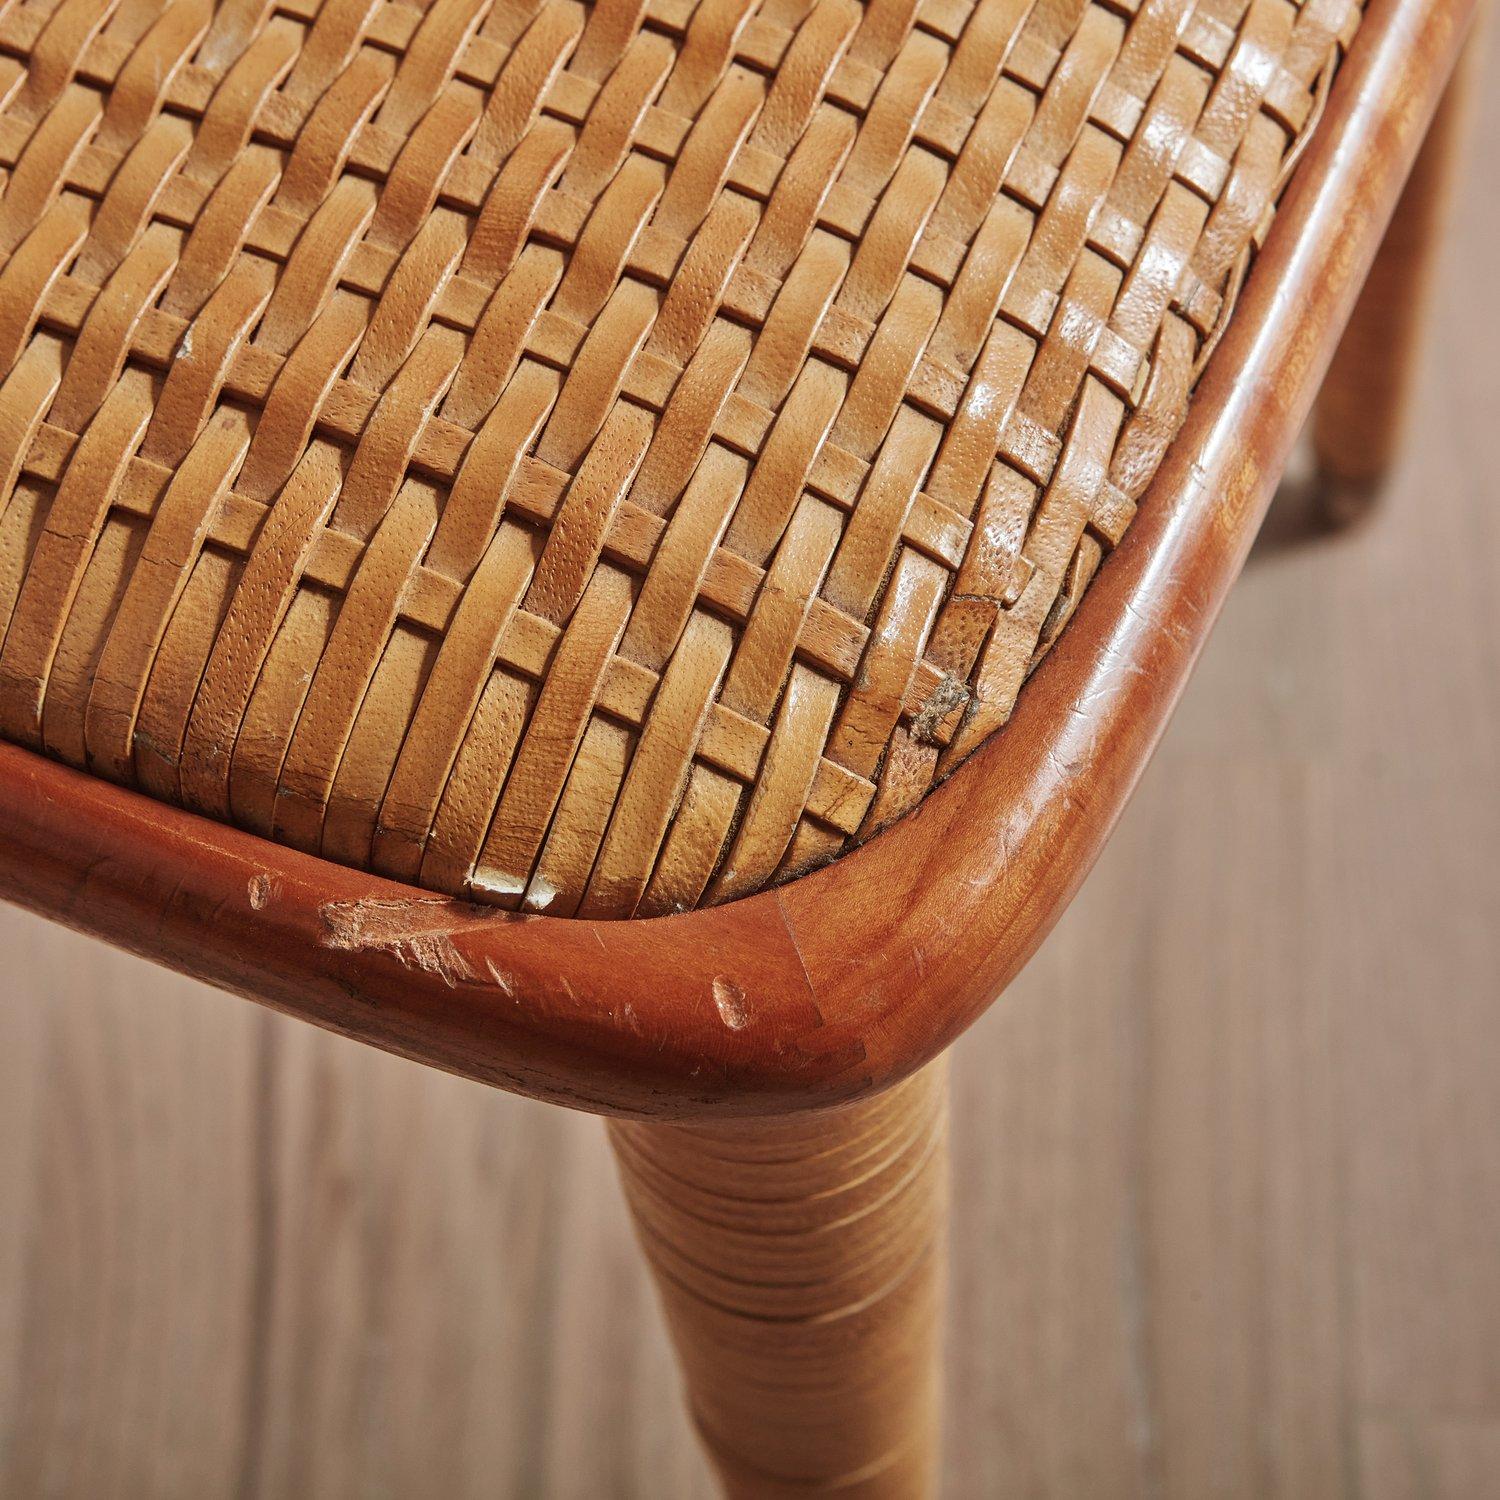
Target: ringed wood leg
(801,1264)
(1363,407)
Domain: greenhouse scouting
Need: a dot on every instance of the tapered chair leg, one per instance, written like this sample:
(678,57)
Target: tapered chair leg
(1362,409)
(801,1266)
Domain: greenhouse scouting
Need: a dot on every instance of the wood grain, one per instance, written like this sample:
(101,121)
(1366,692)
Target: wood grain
(1227,1154)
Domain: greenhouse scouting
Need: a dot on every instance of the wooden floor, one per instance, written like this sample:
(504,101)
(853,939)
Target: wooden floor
(1229,1153)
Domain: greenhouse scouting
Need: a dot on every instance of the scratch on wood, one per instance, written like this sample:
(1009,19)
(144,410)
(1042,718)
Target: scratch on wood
(418,933)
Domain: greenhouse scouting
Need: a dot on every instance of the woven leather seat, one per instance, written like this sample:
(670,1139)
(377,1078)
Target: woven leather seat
(604,458)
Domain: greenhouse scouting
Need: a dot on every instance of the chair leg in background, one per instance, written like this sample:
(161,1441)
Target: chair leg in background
(1362,410)
(801,1265)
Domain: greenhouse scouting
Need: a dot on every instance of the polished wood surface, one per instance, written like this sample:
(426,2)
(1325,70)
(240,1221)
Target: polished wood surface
(1227,1183)
(838,998)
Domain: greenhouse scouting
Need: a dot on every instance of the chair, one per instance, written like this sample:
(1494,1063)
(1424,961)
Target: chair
(635,552)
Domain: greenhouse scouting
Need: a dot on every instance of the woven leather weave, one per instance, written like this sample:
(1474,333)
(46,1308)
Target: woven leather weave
(602,458)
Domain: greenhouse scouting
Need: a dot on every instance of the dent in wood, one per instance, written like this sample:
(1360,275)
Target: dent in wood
(729,1000)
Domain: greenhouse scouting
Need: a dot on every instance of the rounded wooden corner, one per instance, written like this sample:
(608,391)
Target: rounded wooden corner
(851,977)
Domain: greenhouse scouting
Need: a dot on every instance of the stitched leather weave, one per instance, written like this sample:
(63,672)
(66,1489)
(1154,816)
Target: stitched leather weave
(601,458)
